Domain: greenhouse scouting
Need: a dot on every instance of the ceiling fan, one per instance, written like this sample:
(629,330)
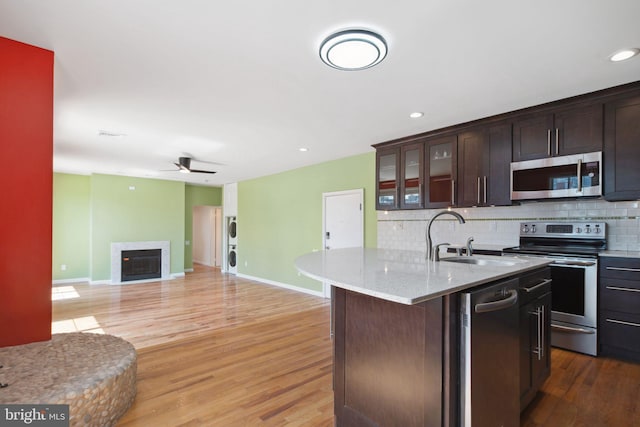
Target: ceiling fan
(184,166)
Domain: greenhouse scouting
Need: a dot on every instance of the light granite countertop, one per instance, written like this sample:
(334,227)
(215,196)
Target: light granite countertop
(405,276)
(620,254)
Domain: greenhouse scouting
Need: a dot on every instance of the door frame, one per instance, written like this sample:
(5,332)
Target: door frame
(326,287)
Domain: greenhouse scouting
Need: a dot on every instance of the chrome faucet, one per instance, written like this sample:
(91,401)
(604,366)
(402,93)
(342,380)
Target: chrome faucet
(430,248)
(469,248)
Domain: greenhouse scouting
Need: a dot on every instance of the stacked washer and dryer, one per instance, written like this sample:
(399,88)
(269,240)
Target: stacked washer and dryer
(232,244)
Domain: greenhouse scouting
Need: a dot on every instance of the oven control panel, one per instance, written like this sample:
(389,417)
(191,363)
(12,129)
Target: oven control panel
(574,230)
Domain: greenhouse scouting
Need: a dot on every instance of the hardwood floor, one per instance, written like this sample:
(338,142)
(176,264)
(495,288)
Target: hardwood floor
(216,350)
(587,391)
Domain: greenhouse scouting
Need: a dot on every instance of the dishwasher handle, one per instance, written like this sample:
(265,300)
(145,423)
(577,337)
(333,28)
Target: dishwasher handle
(487,307)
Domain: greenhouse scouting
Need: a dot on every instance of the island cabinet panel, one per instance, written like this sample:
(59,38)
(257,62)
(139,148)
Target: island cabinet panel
(389,362)
(622,149)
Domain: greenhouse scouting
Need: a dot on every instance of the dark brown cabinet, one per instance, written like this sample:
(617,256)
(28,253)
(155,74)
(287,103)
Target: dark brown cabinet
(484,155)
(400,177)
(391,365)
(535,334)
(619,314)
(569,131)
(412,176)
(622,149)
(441,171)
(387,171)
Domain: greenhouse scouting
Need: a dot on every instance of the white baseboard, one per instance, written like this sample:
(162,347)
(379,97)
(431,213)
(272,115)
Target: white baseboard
(74,280)
(133,282)
(282,285)
(188,270)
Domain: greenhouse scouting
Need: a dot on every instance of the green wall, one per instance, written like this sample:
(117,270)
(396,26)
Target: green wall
(154,210)
(195,195)
(71,206)
(280,216)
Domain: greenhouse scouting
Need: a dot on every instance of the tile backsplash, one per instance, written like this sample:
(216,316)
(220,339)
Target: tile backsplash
(500,225)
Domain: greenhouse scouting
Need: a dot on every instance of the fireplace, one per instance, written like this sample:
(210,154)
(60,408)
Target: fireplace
(146,260)
(141,264)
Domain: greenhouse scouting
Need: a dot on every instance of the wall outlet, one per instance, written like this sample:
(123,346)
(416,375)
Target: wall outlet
(187,242)
(63,267)
(246,263)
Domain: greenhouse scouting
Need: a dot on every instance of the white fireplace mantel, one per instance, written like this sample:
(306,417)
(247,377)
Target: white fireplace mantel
(116,258)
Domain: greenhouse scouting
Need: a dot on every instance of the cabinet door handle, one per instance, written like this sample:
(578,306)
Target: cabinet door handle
(542,330)
(619,288)
(548,142)
(538,350)
(453,192)
(478,190)
(622,322)
(533,288)
(557,141)
(485,189)
(635,270)
(579,175)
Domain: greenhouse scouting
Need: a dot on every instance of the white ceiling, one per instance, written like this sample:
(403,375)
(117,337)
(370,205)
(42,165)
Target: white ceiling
(240,82)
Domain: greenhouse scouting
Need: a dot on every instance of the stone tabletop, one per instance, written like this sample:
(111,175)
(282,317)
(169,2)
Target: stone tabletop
(404,276)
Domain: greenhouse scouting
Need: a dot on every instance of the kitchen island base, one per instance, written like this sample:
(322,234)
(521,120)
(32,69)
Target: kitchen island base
(393,362)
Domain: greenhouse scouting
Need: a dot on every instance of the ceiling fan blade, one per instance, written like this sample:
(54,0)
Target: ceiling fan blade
(201,171)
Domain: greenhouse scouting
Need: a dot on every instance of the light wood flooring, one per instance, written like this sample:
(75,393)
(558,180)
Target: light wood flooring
(216,350)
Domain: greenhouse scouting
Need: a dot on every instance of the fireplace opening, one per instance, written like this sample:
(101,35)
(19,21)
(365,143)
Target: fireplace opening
(141,264)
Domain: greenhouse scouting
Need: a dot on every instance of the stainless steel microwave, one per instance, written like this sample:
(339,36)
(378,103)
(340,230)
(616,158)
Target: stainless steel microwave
(578,175)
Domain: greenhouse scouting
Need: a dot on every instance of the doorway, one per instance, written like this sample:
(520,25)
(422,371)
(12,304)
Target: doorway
(207,235)
(342,222)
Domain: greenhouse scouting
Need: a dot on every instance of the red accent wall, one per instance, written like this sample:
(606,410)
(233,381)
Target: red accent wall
(26,173)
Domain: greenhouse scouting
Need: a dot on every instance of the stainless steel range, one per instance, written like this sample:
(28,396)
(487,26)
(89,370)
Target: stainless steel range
(573,247)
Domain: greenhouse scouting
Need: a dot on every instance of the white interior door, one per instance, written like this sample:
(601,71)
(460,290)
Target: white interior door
(343,222)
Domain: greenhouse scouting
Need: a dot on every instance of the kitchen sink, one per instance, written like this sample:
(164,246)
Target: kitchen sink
(483,261)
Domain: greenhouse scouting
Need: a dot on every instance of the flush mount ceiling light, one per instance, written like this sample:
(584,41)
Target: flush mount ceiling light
(416,115)
(624,54)
(353,50)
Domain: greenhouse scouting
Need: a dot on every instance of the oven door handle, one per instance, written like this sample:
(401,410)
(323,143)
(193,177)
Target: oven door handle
(571,330)
(574,263)
(533,288)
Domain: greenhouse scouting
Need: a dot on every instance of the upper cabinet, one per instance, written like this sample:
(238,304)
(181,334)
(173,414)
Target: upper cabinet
(568,131)
(469,164)
(484,156)
(387,187)
(441,171)
(400,177)
(622,149)
(412,174)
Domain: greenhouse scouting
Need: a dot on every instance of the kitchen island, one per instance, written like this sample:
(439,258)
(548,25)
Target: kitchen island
(395,325)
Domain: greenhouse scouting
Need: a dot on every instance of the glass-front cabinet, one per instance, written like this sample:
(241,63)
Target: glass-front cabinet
(412,167)
(441,172)
(388,166)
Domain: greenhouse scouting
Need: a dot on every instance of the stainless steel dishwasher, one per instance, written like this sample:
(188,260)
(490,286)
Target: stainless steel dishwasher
(489,356)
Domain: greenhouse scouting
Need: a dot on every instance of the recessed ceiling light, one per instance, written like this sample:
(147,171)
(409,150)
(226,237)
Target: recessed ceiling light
(624,54)
(303,149)
(416,115)
(352,50)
